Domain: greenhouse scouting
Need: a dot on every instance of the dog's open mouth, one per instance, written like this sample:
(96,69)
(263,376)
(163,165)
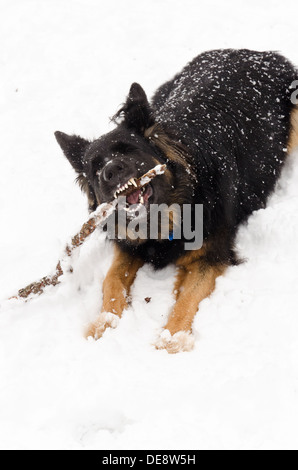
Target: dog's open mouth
(136,198)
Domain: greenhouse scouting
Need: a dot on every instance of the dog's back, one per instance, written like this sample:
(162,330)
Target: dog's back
(232,110)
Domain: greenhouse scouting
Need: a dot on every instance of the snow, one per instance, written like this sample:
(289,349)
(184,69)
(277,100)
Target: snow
(68,66)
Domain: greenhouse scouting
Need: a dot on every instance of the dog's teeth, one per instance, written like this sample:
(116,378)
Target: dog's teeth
(126,186)
(134,183)
(129,183)
(142,200)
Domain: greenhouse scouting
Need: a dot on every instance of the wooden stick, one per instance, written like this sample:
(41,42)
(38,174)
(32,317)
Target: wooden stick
(97,218)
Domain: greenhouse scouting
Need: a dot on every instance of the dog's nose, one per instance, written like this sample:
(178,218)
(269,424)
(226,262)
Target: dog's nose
(116,171)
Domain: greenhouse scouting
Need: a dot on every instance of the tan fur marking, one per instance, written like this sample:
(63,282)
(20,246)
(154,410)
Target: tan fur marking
(293,139)
(170,149)
(180,276)
(118,282)
(116,288)
(174,151)
(191,257)
(194,282)
(182,265)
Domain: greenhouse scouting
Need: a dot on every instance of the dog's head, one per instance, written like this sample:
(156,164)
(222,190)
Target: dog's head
(108,166)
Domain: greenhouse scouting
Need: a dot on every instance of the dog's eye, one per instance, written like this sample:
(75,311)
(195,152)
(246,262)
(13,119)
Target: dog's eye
(123,148)
(96,166)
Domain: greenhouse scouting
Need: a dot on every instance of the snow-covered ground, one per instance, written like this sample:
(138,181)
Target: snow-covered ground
(67,65)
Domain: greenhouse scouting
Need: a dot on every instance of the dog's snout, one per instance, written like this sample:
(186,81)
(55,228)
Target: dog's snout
(116,171)
(112,170)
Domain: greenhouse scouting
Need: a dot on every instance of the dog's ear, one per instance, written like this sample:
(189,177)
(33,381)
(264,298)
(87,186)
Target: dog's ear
(136,112)
(73,148)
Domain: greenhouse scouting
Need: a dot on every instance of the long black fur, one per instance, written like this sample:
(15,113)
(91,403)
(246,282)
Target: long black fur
(228,114)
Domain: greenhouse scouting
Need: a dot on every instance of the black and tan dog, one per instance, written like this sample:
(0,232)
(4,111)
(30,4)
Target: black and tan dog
(224,126)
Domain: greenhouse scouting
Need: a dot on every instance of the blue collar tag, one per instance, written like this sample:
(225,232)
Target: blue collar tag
(171,236)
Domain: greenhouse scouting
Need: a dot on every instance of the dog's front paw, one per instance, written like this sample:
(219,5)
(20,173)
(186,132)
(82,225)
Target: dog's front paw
(104,321)
(179,342)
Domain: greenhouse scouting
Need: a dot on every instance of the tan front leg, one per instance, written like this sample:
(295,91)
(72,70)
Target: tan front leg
(195,281)
(116,291)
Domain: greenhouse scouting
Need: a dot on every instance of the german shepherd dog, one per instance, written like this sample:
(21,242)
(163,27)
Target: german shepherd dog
(224,127)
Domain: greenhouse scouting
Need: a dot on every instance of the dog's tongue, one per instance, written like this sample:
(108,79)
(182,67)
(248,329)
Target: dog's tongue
(133,198)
